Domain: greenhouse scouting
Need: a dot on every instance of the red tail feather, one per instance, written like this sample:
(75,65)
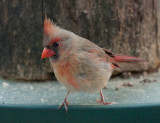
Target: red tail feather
(126,59)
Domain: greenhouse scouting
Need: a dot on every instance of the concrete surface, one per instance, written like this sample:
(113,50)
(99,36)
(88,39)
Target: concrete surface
(143,89)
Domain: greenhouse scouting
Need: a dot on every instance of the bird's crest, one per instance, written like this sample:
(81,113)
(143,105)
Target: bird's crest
(49,26)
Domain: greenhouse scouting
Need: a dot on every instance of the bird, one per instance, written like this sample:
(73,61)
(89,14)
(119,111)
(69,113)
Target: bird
(79,64)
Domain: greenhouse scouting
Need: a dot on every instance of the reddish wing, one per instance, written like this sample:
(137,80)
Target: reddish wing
(111,58)
(108,52)
(119,58)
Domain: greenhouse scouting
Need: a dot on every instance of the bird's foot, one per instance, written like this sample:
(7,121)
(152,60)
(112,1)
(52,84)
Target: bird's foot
(65,104)
(103,102)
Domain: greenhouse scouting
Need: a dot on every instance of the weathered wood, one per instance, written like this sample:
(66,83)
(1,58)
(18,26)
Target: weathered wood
(21,40)
(124,27)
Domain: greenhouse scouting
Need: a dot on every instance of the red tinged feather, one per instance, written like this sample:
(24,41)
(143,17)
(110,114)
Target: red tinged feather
(48,26)
(66,70)
(71,80)
(57,39)
(126,59)
(118,58)
(108,52)
(113,66)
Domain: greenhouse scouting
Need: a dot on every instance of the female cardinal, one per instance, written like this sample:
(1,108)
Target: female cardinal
(79,64)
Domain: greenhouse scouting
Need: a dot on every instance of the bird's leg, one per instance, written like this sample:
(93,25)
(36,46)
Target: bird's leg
(65,103)
(101,101)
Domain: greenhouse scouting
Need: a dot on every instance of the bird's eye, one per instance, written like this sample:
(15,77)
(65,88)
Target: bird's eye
(56,44)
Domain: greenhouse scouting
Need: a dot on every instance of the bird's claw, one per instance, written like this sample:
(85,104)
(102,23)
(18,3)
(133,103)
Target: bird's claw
(65,104)
(103,102)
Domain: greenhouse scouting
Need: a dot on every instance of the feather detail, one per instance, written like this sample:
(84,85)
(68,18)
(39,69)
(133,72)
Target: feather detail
(108,52)
(49,26)
(114,63)
(120,58)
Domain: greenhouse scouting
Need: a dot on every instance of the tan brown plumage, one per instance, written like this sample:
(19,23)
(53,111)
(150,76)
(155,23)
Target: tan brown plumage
(79,64)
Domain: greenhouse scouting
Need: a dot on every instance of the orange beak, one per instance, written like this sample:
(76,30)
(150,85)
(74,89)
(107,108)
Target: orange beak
(47,53)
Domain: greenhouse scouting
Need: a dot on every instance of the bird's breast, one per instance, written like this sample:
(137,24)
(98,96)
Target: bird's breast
(65,73)
(82,75)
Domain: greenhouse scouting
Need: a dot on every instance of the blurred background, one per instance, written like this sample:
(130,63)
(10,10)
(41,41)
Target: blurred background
(124,27)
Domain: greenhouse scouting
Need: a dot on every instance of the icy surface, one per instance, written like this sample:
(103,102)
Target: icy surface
(119,91)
